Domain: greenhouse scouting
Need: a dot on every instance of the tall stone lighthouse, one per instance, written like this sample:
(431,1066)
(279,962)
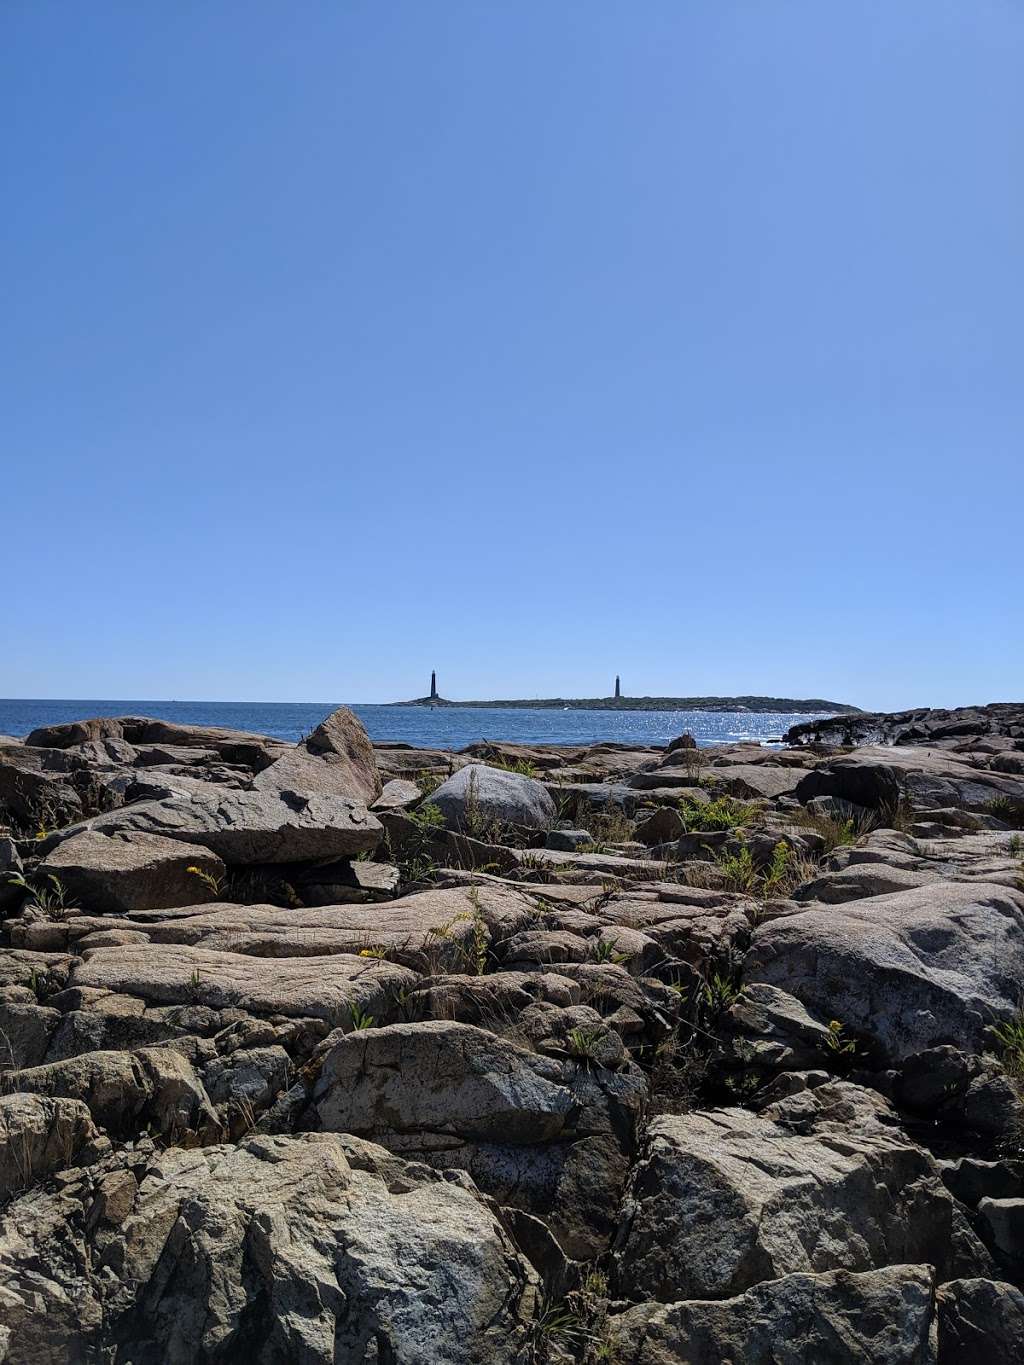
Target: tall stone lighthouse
(618,689)
(433,684)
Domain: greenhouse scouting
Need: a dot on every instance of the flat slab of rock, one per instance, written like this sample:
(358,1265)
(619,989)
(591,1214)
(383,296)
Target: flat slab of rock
(915,969)
(133,871)
(429,930)
(251,826)
(326,988)
(434,1082)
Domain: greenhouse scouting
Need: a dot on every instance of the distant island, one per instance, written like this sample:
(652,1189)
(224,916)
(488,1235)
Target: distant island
(802,706)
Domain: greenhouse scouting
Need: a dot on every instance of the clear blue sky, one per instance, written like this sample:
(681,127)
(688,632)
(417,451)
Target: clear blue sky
(531,341)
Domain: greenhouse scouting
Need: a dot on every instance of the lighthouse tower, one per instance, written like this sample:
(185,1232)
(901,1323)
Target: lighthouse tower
(618,689)
(433,685)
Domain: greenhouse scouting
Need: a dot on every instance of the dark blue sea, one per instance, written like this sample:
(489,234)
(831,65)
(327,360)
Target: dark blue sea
(441,728)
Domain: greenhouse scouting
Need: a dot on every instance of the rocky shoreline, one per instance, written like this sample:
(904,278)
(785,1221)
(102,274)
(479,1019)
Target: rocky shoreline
(334,1052)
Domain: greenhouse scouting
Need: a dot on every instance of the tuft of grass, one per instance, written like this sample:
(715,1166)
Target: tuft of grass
(214,884)
(1010,1040)
(1007,809)
(603,950)
(836,830)
(359,1019)
(723,813)
(51,900)
(584,1043)
(717,993)
(522,766)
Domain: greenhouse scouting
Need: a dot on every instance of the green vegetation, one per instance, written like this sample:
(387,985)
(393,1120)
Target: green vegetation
(836,830)
(1010,811)
(1010,1039)
(359,1019)
(603,950)
(214,884)
(585,1043)
(429,782)
(720,814)
(51,900)
(759,705)
(522,766)
(836,1042)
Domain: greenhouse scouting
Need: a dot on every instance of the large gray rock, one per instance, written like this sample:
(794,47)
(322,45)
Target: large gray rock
(921,726)
(337,759)
(232,746)
(725,1199)
(908,971)
(880,777)
(881,1316)
(133,871)
(492,795)
(545,1135)
(124,1090)
(980,1320)
(250,826)
(39,1136)
(316,1248)
(37,786)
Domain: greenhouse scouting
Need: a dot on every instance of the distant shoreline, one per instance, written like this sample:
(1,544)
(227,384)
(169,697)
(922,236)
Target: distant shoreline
(738,705)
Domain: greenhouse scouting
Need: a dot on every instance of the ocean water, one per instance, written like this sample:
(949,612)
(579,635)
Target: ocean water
(437,728)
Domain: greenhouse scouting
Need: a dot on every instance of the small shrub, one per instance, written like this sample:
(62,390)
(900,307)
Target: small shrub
(720,814)
(836,1042)
(737,870)
(717,993)
(428,782)
(428,816)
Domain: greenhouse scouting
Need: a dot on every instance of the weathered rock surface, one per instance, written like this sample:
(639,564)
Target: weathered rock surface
(922,726)
(723,1200)
(38,1136)
(327,988)
(936,964)
(980,1320)
(882,1316)
(880,778)
(313,1248)
(541,1134)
